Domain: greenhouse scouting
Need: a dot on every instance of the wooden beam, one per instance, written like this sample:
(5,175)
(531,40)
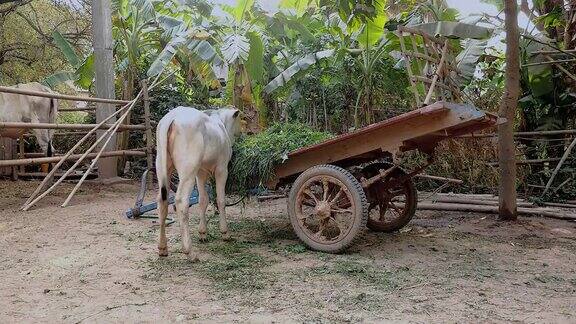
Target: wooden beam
(439,69)
(60,96)
(534,133)
(149,142)
(72,157)
(21,125)
(494,210)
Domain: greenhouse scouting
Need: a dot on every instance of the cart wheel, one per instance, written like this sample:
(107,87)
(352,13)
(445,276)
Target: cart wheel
(328,208)
(391,205)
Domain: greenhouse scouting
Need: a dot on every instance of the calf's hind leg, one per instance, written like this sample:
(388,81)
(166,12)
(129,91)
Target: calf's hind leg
(185,188)
(221,175)
(203,201)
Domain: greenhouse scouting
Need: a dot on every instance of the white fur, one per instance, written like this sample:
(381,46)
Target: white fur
(197,145)
(29,109)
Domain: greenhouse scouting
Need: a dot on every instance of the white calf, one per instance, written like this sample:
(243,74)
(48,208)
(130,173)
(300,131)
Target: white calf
(197,144)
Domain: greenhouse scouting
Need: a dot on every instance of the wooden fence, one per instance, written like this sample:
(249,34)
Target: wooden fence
(23,161)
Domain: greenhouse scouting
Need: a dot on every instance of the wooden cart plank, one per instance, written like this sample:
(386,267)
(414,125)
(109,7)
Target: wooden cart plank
(427,125)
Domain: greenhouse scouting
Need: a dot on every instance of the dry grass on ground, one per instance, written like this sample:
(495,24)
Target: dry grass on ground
(87,263)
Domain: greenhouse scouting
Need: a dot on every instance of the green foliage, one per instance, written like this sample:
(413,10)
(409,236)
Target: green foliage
(299,66)
(255,156)
(66,48)
(84,68)
(255,61)
(27,50)
(453,29)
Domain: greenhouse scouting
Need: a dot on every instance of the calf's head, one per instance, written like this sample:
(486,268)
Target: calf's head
(231,119)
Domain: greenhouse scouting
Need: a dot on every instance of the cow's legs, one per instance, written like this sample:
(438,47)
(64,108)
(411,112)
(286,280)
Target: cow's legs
(185,187)
(202,203)
(221,175)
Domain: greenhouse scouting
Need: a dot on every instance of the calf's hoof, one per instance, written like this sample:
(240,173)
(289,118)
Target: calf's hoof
(163,252)
(226,236)
(193,257)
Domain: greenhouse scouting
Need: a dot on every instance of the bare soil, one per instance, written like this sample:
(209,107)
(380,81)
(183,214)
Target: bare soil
(88,263)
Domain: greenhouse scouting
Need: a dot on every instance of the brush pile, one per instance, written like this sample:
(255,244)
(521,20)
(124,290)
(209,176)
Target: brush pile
(255,156)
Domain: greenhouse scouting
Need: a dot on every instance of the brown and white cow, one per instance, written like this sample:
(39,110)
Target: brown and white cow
(197,144)
(29,109)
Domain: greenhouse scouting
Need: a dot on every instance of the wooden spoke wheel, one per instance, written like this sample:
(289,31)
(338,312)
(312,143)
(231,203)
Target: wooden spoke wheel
(392,203)
(327,208)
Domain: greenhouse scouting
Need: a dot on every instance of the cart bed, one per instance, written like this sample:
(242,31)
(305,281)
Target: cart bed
(419,129)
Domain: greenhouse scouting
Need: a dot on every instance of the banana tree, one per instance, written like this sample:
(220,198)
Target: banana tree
(136,35)
(357,30)
(242,48)
(83,67)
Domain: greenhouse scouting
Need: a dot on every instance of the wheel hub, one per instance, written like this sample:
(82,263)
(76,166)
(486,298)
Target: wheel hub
(323,209)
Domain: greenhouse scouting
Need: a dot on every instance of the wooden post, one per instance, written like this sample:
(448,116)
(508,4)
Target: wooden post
(506,148)
(148,124)
(21,152)
(104,73)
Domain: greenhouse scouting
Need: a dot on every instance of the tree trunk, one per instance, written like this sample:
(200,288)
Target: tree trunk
(104,76)
(237,94)
(506,154)
(123,138)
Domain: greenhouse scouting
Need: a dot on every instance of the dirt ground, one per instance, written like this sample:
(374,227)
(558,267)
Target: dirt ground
(88,263)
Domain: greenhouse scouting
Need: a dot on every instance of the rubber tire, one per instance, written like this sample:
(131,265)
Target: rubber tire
(412,201)
(358,195)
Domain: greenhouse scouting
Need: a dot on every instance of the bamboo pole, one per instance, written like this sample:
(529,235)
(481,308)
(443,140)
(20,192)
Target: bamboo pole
(550,61)
(494,210)
(413,84)
(82,140)
(535,161)
(561,68)
(53,159)
(439,69)
(61,96)
(89,109)
(60,134)
(534,133)
(149,144)
(21,152)
(560,205)
(118,123)
(468,201)
(426,176)
(559,165)
(22,125)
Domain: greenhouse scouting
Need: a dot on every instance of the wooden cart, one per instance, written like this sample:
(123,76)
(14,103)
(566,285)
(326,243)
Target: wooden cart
(344,184)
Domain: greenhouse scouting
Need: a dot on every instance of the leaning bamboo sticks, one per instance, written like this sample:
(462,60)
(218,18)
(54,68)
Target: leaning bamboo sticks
(143,92)
(559,165)
(119,122)
(63,159)
(34,198)
(109,132)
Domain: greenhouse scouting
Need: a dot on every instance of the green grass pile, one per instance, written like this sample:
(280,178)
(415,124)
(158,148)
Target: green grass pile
(255,156)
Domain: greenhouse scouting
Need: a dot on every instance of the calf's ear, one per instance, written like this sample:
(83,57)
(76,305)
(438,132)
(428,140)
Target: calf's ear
(236,114)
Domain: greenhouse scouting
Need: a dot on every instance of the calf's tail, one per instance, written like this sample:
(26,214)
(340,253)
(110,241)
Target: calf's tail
(162,157)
